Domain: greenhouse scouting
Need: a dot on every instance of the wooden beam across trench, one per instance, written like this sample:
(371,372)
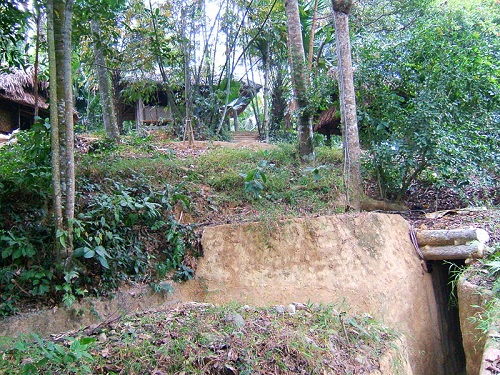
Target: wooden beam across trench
(449,244)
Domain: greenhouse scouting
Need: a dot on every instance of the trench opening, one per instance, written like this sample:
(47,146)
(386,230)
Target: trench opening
(446,303)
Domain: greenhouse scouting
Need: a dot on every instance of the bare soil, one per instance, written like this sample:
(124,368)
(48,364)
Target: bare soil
(421,198)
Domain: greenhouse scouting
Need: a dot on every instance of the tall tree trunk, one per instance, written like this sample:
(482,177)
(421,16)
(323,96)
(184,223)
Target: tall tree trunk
(188,94)
(139,115)
(38,18)
(227,70)
(255,103)
(266,93)
(55,154)
(300,80)
(352,152)
(105,88)
(312,34)
(61,15)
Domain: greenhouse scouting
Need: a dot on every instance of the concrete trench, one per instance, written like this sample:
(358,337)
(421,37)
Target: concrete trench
(363,262)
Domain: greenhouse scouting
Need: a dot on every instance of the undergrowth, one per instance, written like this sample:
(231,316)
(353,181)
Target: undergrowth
(204,339)
(131,197)
(125,228)
(488,314)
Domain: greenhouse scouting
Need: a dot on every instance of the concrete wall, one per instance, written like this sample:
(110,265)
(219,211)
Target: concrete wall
(364,262)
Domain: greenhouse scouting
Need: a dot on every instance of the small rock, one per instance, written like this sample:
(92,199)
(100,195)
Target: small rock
(316,307)
(361,359)
(237,319)
(280,309)
(102,337)
(300,306)
(290,308)
(365,348)
(248,308)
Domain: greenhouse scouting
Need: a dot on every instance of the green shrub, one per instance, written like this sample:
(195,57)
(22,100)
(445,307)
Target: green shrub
(107,227)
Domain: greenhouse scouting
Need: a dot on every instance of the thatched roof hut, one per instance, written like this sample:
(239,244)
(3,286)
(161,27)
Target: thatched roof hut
(329,124)
(17,99)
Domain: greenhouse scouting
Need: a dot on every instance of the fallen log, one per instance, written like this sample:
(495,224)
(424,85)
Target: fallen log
(451,236)
(473,250)
(370,204)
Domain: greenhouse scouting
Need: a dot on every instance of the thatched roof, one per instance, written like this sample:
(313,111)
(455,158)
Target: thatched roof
(329,122)
(18,86)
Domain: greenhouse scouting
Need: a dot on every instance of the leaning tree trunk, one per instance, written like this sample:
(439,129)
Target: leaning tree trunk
(105,88)
(300,80)
(352,152)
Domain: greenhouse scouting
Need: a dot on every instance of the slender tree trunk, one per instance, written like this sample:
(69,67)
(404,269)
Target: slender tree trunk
(227,69)
(254,103)
(352,152)
(266,93)
(139,115)
(62,16)
(37,52)
(312,34)
(54,130)
(105,88)
(188,94)
(300,80)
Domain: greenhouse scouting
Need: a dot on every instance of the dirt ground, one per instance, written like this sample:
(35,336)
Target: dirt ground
(421,199)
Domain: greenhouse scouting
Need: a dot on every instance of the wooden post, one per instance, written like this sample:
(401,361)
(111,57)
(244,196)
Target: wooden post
(139,115)
(451,236)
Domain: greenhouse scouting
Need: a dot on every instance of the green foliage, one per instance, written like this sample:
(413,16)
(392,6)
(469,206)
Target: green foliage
(255,180)
(26,265)
(162,287)
(70,292)
(25,166)
(488,315)
(103,145)
(488,270)
(49,357)
(234,90)
(316,172)
(492,265)
(16,247)
(24,271)
(13,23)
(184,273)
(431,100)
(110,214)
(106,232)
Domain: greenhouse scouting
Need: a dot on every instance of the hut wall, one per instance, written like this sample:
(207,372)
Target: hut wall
(154,114)
(7,121)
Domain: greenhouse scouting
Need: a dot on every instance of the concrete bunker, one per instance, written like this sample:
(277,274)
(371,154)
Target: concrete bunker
(364,261)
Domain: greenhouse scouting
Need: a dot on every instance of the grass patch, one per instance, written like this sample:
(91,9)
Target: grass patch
(204,339)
